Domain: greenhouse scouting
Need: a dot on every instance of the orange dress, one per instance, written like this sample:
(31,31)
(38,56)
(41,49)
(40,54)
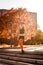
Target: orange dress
(21,43)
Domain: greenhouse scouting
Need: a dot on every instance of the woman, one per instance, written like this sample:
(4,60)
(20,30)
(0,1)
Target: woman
(21,44)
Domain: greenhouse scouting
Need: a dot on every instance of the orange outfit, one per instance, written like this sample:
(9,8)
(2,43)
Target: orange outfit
(21,43)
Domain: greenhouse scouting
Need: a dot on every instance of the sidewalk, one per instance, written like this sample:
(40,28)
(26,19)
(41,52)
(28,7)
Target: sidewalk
(27,48)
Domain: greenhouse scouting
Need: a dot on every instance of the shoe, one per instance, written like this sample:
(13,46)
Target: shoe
(22,51)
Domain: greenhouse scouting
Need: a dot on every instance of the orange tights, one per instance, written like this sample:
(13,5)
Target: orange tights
(21,43)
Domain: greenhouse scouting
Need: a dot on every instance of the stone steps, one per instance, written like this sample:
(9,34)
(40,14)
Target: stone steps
(11,62)
(23,55)
(16,58)
(20,59)
(3,64)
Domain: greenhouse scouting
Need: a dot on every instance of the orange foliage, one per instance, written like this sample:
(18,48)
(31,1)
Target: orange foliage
(13,19)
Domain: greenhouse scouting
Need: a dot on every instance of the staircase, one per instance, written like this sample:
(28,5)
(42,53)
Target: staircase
(17,58)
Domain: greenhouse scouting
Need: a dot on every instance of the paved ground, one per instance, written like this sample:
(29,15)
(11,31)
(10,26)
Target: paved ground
(27,48)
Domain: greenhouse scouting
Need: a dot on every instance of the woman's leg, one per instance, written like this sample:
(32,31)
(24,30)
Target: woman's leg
(21,44)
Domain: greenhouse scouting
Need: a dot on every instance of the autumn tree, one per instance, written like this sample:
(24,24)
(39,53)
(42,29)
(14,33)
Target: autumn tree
(13,20)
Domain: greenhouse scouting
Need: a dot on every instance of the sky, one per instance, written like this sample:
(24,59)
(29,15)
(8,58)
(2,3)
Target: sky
(30,5)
